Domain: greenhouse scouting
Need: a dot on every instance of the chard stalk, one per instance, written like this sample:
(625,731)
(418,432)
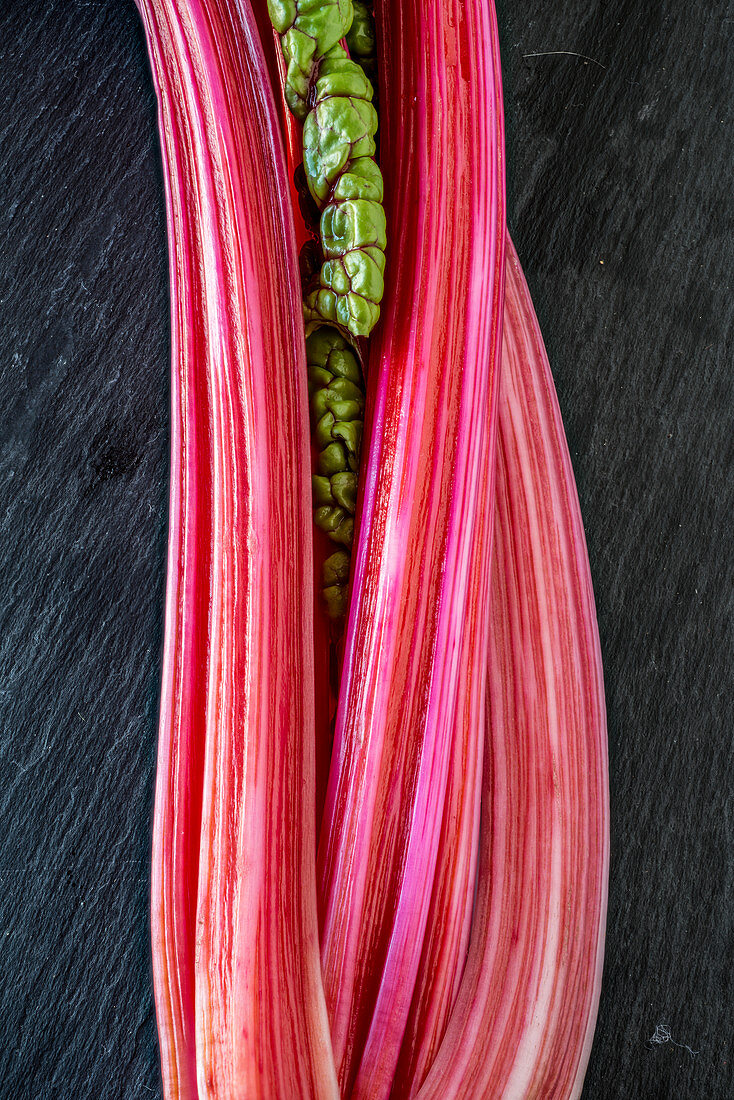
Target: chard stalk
(524,1018)
(179,775)
(235,941)
(422,551)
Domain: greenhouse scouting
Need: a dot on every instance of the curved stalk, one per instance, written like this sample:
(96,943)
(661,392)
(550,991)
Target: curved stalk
(524,1018)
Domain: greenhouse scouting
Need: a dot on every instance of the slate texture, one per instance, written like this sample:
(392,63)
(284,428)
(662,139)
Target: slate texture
(619,197)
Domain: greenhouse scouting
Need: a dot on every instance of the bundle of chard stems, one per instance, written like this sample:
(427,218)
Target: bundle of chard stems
(380,841)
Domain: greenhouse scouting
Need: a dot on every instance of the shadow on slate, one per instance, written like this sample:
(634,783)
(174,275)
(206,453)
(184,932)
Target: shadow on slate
(625,161)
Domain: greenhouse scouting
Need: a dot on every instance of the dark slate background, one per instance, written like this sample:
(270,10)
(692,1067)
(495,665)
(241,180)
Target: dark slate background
(619,185)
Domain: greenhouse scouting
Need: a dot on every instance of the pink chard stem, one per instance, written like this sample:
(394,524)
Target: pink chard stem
(524,1018)
(392,871)
(239,997)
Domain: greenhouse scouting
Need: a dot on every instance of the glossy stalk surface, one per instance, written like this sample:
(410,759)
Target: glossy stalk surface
(412,687)
(239,998)
(524,1018)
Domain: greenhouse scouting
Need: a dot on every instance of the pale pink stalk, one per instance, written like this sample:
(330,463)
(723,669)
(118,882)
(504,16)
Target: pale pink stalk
(260,1017)
(177,817)
(524,1018)
(411,685)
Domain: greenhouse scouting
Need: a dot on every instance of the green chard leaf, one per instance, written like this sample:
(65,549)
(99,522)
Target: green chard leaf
(332,94)
(337,399)
(308,29)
